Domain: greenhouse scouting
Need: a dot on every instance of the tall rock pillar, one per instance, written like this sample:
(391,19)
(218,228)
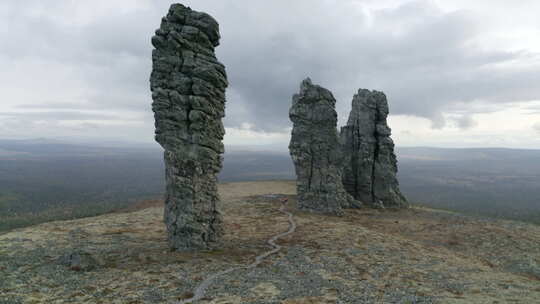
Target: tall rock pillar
(370,165)
(315,151)
(188,90)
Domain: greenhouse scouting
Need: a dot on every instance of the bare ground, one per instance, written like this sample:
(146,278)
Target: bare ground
(367,256)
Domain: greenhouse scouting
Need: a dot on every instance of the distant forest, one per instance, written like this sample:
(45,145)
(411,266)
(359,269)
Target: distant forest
(47,181)
(42,180)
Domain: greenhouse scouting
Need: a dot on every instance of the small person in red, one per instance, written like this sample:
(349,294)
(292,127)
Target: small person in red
(284,200)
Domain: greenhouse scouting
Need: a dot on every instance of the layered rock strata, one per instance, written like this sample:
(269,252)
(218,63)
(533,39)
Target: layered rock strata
(188,90)
(314,148)
(370,165)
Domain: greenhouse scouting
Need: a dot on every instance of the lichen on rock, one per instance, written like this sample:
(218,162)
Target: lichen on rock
(370,164)
(315,151)
(188,90)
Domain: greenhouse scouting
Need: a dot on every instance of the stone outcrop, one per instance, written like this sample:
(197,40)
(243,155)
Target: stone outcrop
(314,149)
(78,260)
(188,90)
(370,165)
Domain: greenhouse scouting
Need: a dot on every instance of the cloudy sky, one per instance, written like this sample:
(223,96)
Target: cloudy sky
(457,73)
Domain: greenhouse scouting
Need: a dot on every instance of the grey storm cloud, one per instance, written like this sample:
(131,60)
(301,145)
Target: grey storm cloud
(465,122)
(420,56)
(415,53)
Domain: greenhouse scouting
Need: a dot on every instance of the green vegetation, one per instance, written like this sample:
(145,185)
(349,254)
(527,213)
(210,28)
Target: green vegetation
(499,183)
(12,221)
(57,182)
(7,199)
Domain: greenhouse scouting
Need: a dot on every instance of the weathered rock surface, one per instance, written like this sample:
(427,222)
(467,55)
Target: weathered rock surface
(188,90)
(370,165)
(315,151)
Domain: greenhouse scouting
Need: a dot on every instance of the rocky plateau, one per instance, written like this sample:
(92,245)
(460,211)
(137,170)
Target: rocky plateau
(413,255)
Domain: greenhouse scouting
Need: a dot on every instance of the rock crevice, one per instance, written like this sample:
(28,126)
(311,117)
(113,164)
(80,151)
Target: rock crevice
(188,90)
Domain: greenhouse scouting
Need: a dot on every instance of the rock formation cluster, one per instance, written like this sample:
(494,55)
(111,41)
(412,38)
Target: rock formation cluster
(370,165)
(315,151)
(188,90)
(357,168)
(188,86)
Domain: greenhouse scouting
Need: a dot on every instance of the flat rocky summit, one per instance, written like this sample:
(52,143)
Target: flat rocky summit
(367,256)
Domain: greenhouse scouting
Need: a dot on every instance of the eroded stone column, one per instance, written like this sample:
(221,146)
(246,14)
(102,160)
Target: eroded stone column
(315,151)
(188,90)
(370,165)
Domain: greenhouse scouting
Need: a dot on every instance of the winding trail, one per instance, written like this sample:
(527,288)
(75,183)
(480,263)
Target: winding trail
(199,292)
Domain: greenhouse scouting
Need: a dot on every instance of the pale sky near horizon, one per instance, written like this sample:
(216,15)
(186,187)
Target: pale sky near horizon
(457,73)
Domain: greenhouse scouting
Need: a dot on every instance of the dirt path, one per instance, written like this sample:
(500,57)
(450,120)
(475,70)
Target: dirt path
(201,289)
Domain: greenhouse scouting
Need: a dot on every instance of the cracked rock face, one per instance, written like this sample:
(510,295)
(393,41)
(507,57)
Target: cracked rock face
(315,152)
(370,165)
(188,90)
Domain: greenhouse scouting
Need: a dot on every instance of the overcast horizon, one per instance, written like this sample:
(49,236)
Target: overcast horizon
(456,74)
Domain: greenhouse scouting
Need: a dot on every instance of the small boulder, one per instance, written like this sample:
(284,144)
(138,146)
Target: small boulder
(78,261)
